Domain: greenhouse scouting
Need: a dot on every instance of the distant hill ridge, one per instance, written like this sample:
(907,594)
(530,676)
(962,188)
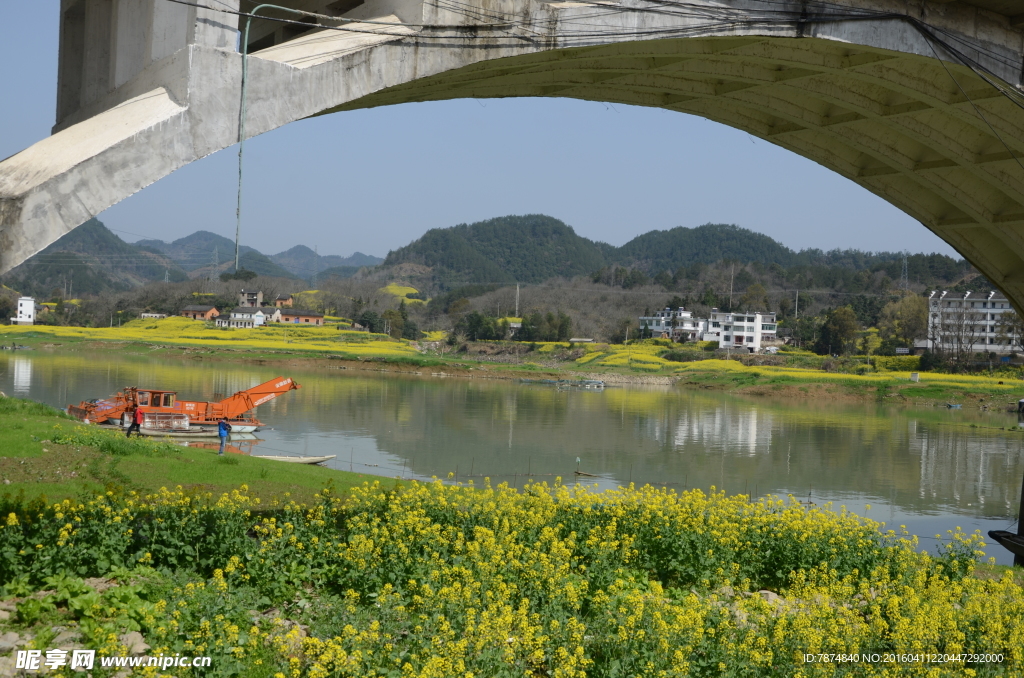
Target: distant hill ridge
(91,260)
(198,250)
(535,247)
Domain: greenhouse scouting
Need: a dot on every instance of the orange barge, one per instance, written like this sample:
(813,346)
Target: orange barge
(160,402)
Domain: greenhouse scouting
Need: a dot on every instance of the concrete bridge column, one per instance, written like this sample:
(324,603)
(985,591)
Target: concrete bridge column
(105,44)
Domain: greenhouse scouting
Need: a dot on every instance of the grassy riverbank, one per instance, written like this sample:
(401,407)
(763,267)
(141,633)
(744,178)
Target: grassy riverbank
(46,455)
(790,375)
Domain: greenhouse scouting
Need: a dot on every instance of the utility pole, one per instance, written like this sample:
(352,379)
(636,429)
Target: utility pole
(517,300)
(732,269)
(316,264)
(796,313)
(904,278)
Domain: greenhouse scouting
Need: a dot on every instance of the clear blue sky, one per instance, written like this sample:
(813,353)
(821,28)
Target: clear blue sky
(372,181)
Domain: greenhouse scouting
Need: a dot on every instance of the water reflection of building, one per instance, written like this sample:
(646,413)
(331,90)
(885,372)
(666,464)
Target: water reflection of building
(968,468)
(747,432)
(22,375)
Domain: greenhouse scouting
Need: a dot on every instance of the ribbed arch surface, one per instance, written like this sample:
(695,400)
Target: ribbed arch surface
(930,137)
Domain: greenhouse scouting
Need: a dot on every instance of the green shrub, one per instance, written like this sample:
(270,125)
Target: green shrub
(897,363)
(29,407)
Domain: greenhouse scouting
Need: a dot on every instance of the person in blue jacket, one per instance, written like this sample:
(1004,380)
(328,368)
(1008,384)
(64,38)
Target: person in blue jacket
(223,429)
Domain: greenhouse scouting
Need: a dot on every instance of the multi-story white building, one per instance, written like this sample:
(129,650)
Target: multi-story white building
(26,312)
(751,331)
(969,322)
(675,324)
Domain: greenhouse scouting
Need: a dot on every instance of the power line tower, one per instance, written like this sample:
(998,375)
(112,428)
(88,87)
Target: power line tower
(316,265)
(214,263)
(167,276)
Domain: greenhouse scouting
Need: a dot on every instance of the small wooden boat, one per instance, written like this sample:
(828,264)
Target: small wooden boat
(296,460)
(1014,543)
(178,433)
(585,384)
(193,433)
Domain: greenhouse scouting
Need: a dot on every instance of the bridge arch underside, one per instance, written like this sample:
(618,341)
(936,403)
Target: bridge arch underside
(930,137)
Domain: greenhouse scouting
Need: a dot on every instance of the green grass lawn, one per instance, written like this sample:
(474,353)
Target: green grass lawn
(88,460)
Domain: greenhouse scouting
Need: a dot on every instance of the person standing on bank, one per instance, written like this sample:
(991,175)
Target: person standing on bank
(137,419)
(223,429)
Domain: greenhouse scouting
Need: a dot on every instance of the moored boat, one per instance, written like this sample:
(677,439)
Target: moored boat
(164,411)
(296,460)
(196,432)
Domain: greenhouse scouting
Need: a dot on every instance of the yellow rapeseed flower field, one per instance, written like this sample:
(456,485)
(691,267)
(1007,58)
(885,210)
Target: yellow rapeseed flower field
(274,336)
(402,292)
(434,580)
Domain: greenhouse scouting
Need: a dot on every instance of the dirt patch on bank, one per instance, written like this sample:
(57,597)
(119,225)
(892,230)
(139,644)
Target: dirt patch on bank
(57,464)
(830,392)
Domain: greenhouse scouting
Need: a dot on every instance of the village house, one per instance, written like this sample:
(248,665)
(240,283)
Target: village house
(242,318)
(27,312)
(199,312)
(272,314)
(751,331)
(152,316)
(675,324)
(296,316)
(250,299)
(284,301)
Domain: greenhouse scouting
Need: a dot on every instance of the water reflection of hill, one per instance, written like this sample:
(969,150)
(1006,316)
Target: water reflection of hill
(920,460)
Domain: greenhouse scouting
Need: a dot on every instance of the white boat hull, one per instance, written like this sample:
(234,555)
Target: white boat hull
(297,460)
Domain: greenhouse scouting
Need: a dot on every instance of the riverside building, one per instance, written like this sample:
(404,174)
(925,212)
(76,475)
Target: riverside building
(751,331)
(970,321)
(675,324)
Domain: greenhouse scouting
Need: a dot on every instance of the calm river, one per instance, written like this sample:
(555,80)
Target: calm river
(930,469)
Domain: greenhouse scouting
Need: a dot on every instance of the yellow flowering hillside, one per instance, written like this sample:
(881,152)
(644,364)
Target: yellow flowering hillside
(402,292)
(274,336)
(437,581)
(643,356)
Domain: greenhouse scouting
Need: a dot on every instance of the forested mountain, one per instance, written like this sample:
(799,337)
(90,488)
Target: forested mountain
(658,251)
(535,247)
(198,250)
(201,249)
(337,272)
(90,260)
(304,262)
(527,248)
